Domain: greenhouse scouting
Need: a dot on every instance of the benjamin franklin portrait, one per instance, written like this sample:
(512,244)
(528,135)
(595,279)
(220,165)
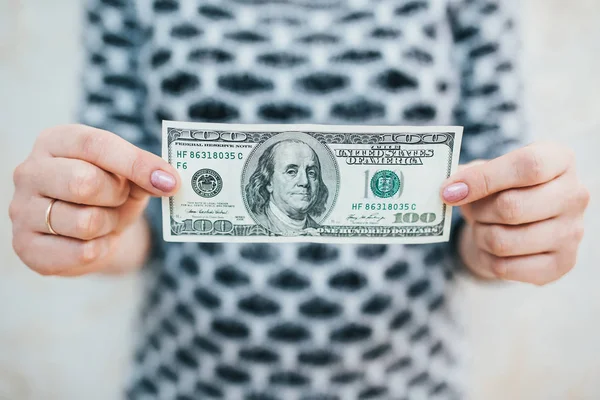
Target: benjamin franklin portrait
(286,190)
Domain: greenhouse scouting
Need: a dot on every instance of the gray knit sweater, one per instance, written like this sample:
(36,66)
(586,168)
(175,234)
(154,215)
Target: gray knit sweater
(300,321)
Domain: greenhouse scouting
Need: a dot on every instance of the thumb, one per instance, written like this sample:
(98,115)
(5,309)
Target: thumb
(452,193)
(463,167)
(114,154)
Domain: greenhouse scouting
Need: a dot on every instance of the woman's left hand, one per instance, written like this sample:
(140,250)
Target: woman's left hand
(523,211)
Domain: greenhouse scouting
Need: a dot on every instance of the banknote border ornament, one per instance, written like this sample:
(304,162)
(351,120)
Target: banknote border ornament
(179,231)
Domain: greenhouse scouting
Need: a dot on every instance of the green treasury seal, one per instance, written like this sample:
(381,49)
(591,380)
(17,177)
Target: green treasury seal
(207,183)
(385,183)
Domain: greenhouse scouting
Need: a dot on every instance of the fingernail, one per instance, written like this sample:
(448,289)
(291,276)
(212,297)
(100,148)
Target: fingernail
(163,181)
(455,192)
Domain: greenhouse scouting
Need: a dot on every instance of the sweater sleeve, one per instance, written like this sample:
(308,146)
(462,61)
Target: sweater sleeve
(486,40)
(113,93)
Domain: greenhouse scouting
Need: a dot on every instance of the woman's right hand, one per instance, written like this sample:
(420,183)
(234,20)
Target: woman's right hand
(101,184)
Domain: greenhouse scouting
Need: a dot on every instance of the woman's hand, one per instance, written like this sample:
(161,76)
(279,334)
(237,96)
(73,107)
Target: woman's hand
(101,184)
(524,214)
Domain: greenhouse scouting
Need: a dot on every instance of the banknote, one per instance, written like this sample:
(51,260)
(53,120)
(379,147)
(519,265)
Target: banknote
(308,183)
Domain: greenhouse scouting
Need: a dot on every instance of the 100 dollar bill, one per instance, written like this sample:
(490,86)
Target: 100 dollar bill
(317,183)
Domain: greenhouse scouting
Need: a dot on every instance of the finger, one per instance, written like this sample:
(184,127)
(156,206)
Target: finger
(72,220)
(114,154)
(529,166)
(539,237)
(57,255)
(466,210)
(463,167)
(131,210)
(538,269)
(467,213)
(75,181)
(521,206)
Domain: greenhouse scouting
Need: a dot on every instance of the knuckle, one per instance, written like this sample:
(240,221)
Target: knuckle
(571,235)
(15,232)
(558,269)
(530,168)
(89,252)
(541,281)
(137,164)
(578,232)
(49,135)
(13,210)
(123,192)
(497,265)
(569,265)
(90,223)
(92,145)
(487,183)
(45,136)
(19,174)
(553,273)
(584,196)
(482,179)
(509,207)
(84,184)
(22,249)
(555,269)
(496,241)
(19,245)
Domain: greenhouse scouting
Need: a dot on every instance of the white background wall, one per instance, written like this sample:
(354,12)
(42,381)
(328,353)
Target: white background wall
(64,339)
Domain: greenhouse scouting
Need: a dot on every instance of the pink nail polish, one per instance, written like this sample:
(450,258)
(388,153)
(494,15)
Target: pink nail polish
(163,181)
(455,192)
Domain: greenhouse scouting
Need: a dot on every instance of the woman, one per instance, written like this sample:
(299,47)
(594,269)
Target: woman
(296,321)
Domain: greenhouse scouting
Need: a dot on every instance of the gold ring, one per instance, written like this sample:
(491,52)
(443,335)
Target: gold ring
(48,211)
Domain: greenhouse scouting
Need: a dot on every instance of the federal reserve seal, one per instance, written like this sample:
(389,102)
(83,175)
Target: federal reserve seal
(385,184)
(207,183)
